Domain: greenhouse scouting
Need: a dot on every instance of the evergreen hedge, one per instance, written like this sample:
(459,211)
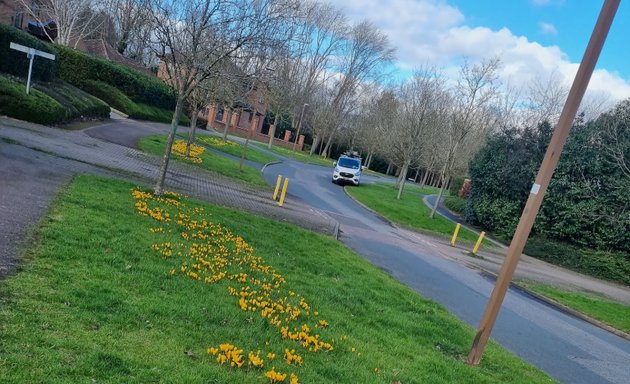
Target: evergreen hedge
(15,62)
(78,68)
(36,107)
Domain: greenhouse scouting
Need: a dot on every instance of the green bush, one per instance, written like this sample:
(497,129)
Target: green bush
(118,100)
(36,107)
(77,68)
(76,102)
(16,63)
(455,203)
(614,266)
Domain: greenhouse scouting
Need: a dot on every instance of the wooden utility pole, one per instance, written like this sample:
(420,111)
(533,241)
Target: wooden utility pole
(539,188)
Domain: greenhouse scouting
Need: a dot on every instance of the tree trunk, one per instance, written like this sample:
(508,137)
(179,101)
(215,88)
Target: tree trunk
(425,178)
(329,145)
(159,185)
(389,168)
(415,180)
(252,128)
(191,134)
(437,201)
(272,131)
(401,184)
(369,160)
(315,145)
(227,124)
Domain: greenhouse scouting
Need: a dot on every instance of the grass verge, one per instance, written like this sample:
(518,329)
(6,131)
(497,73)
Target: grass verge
(235,149)
(615,314)
(410,211)
(94,302)
(298,155)
(211,162)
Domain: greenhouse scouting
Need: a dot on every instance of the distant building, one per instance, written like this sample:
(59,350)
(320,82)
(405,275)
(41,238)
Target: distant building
(13,13)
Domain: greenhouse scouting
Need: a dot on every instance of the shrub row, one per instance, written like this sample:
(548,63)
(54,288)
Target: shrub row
(48,103)
(15,62)
(118,100)
(455,203)
(76,102)
(77,68)
(36,107)
(614,266)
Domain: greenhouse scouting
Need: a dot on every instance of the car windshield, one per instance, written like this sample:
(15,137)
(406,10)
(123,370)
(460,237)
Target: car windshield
(349,163)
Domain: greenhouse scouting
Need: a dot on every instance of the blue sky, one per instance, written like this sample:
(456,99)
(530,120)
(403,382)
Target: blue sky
(567,24)
(535,39)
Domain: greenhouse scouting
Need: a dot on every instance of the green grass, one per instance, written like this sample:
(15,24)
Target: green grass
(614,314)
(298,155)
(410,211)
(93,302)
(235,149)
(211,162)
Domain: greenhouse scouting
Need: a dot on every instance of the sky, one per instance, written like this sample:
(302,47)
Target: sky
(535,39)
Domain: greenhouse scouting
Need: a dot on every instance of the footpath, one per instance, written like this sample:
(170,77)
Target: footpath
(35,161)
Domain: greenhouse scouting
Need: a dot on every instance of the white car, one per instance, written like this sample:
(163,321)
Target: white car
(347,169)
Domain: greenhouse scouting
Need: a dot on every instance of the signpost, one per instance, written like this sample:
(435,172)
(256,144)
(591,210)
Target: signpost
(30,54)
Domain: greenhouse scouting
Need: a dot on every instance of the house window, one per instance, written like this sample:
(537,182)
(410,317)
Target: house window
(219,116)
(18,19)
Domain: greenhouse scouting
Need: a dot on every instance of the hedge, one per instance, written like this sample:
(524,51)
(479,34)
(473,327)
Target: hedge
(36,107)
(77,68)
(77,103)
(455,203)
(614,266)
(117,99)
(15,62)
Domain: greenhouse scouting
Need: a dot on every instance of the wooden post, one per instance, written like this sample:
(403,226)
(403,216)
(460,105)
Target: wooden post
(539,188)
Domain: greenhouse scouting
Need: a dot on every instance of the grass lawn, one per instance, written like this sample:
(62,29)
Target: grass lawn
(410,211)
(214,163)
(614,314)
(105,296)
(235,149)
(304,157)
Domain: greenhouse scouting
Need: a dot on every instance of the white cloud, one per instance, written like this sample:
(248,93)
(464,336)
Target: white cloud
(548,29)
(434,32)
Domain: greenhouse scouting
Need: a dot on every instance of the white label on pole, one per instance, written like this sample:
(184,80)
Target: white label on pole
(535,189)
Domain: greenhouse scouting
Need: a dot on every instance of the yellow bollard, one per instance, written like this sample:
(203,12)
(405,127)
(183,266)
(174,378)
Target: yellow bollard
(479,240)
(455,234)
(284,192)
(275,192)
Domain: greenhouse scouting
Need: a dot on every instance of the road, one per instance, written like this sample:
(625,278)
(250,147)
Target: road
(568,349)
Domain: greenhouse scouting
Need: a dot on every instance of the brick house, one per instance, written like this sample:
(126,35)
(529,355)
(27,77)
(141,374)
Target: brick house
(248,114)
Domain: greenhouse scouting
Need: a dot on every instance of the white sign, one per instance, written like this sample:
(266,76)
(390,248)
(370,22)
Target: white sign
(30,54)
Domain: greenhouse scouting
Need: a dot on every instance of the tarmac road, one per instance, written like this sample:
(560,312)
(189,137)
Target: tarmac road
(568,349)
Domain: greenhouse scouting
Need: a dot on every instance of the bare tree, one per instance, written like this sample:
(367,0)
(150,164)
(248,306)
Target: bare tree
(545,99)
(72,17)
(470,120)
(194,36)
(366,51)
(419,115)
